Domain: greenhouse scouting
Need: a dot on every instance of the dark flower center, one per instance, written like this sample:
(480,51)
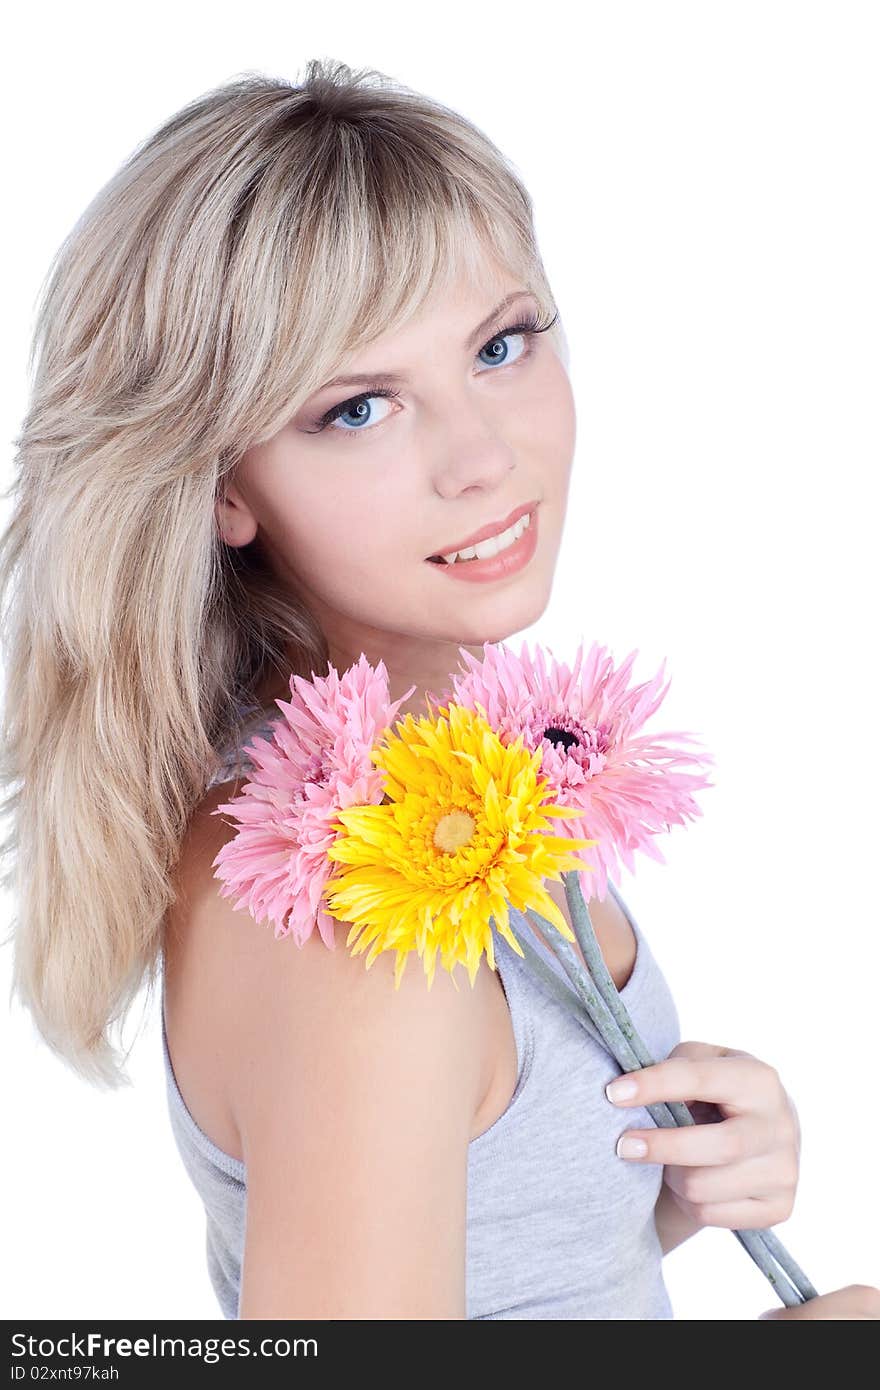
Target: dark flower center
(563,736)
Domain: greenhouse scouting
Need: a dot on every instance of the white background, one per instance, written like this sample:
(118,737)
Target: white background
(705,182)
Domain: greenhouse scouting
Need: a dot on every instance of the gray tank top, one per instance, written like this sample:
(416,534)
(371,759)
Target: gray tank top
(557,1225)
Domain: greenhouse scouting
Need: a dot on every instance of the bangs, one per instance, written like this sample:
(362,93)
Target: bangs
(386,229)
(427,251)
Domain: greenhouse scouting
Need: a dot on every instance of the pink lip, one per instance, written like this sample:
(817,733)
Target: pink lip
(507,563)
(493,529)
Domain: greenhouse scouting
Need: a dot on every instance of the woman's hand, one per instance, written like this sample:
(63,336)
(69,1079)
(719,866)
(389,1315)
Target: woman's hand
(741,1172)
(856,1301)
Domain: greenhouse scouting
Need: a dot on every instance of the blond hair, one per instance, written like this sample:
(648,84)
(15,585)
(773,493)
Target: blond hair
(258,237)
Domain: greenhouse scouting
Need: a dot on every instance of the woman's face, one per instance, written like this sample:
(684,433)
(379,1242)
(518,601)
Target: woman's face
(351,510)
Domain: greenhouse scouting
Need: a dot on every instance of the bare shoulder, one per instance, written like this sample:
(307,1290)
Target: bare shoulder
(207,937)
(354,1101)
(248,980)
(203,939)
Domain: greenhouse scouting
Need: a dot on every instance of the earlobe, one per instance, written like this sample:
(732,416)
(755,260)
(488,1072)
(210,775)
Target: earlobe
(235,525)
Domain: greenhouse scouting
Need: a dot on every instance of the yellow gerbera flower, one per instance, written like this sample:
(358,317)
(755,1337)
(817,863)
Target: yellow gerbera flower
(461,832)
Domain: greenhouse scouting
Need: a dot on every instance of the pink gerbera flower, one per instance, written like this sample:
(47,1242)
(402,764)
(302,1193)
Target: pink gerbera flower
(586,722)
(316,763)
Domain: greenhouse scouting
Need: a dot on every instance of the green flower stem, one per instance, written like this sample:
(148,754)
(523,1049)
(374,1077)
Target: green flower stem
(755,1243)
(612,1039)
(756,1246)
(560,991)
(763,1245)
(585,933)
(787,1263)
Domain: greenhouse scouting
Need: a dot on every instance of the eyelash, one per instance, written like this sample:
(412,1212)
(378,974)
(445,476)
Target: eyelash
(529,327)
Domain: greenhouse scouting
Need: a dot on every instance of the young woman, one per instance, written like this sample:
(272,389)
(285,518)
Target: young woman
(299,349)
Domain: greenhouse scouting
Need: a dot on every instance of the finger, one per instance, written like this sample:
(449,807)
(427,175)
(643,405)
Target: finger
(769,1177)
(809,1311)
(741,1083)
(732,1141)
(704,1049)
(749,1214)
(856,1301)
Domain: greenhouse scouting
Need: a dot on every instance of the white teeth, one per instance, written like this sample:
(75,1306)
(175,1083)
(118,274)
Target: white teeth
(486,549)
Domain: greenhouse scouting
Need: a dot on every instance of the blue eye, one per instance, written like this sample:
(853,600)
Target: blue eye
(357,405)
(498,342)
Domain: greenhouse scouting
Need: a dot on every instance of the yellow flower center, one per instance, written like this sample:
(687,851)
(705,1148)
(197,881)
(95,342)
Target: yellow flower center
(453,831)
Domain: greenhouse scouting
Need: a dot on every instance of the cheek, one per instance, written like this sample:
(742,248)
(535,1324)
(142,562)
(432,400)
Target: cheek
(336,544)
(551,416)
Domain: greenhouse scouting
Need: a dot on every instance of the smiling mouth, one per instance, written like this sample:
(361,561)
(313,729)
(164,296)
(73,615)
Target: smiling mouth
(524,521)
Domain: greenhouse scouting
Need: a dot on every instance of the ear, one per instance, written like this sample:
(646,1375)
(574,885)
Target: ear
(236,523)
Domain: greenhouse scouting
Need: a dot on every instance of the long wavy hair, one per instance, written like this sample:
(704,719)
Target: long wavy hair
(262,234)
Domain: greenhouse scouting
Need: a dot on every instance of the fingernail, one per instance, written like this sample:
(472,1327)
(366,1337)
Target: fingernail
(631,1148)
(622,1089)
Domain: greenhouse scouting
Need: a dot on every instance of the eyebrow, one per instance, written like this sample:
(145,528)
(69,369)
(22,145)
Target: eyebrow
(368,378)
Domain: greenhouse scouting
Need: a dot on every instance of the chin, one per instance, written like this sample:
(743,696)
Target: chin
(524,615)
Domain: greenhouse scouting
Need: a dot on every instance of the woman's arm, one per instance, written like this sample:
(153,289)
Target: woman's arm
(355,1103)
(674,1227)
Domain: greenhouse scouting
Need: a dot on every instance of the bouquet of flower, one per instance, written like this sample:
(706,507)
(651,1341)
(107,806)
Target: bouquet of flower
(422,837)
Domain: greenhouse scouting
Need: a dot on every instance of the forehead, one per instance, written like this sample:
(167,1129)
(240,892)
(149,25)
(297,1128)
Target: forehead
(451,315)
(465,298)
(472,280)
(455,266)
